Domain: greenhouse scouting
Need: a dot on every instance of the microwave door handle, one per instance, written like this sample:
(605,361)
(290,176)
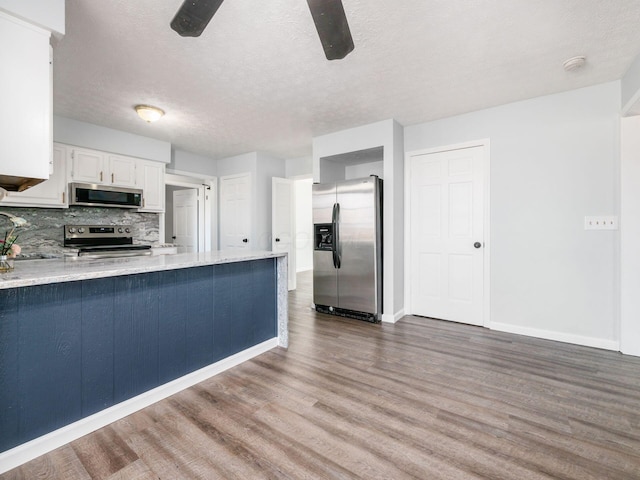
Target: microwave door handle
(335,246)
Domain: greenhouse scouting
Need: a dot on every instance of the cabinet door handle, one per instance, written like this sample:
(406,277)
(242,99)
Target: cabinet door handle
(112,180)
(100,176)
(62,197)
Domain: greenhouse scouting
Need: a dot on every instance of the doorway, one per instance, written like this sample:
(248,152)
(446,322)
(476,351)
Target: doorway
(190,218)
(447,233)
(303,223)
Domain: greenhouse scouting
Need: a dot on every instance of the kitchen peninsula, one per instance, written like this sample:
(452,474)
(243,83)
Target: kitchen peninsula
(85,342)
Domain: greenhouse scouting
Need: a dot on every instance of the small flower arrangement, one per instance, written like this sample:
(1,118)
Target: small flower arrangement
(8,246)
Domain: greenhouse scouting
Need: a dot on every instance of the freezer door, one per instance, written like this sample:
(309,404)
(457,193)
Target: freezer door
(325,275)
(324,198)
(359,245)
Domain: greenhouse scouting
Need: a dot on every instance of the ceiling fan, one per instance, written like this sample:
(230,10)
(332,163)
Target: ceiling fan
(328,16)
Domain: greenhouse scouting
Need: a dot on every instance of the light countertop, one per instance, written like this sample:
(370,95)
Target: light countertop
(44,271)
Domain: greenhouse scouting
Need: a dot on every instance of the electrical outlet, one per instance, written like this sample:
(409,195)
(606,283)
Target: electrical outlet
(605,222)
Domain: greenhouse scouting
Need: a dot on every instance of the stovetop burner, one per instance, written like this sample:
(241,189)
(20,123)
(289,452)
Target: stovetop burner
(100,241)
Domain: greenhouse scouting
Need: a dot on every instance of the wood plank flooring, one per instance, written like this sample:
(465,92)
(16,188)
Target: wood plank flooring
(419,399)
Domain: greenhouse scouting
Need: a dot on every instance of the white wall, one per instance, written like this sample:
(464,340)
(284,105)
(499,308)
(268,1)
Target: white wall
(330,172)
(554,160)
(82,134)
(296,167)
(364,170)
(48,14)
(387,134)
(182,161)
(304,224)
(630,237)
(631,87)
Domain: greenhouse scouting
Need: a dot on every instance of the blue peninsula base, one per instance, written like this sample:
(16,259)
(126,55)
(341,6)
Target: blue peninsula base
(71,349)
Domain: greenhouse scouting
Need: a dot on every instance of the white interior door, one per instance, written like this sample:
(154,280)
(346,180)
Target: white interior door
(235,211)
(185,220)
(282,223)
(446,235)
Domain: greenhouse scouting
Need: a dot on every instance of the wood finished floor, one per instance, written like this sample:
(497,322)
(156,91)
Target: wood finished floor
(419,399)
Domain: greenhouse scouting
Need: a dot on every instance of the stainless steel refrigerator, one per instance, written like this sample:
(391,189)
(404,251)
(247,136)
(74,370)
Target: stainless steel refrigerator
(347,254)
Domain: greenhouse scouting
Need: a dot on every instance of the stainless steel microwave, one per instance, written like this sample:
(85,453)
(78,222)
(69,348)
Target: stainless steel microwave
(93,195)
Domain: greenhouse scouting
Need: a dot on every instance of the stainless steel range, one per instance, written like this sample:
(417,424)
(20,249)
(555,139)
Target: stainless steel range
(103,241)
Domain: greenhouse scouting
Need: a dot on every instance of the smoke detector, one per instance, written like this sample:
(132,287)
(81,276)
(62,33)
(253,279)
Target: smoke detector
(574,63)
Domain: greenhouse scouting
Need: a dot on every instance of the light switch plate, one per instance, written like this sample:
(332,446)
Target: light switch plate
(603,222)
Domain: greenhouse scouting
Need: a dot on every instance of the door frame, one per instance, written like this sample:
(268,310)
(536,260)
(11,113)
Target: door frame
(207,197)
(486,250)
(291,259)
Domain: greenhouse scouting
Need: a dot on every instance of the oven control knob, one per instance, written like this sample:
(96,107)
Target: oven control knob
(81,230)
(120,230)
(72,230)
(128,230)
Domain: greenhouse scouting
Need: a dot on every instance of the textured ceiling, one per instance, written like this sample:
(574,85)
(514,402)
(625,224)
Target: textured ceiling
(257,79)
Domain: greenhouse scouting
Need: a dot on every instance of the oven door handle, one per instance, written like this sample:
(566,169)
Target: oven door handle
(95,256)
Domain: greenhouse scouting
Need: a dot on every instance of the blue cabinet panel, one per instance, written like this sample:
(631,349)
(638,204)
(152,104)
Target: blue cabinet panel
(8,368)
(245,306)
(49,354)
(97,344)
(172,326)
(68,350)
(135,335)
(200,316)
(263,308)
(224,297)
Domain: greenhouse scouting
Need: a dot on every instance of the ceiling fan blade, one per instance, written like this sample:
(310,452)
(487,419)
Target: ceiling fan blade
(194,16)
(332,26)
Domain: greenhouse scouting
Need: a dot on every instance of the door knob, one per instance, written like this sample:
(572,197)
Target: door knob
(245,240)
(277,239)
(477,245)
(174,237)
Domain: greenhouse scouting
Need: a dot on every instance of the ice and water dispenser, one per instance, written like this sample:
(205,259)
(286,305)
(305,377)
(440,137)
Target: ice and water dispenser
(323,236)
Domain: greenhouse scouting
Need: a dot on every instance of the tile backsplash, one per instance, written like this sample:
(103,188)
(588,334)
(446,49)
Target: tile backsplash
(43,235)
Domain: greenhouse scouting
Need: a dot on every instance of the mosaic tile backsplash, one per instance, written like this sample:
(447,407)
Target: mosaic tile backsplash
(42,236)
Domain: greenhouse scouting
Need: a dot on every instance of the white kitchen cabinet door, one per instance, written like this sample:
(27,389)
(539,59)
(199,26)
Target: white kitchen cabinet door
(25,100)
(122,171)
(150,178)
(88,166)
(50,193)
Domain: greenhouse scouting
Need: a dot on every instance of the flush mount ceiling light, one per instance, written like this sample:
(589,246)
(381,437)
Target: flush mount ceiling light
(148,113)
(574,63)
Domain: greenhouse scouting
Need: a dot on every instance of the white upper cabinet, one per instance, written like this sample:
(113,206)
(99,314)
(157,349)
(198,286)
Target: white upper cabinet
(150,176)
(50,193)
(92,166)
(122,171)
(87,166)
(25,99)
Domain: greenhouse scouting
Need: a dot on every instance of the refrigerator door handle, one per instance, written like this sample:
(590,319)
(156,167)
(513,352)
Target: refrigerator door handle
(335,220)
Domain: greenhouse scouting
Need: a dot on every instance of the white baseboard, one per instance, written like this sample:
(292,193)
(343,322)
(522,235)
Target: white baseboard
(557,336)
(630,349)
(392,317)
(41,445)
